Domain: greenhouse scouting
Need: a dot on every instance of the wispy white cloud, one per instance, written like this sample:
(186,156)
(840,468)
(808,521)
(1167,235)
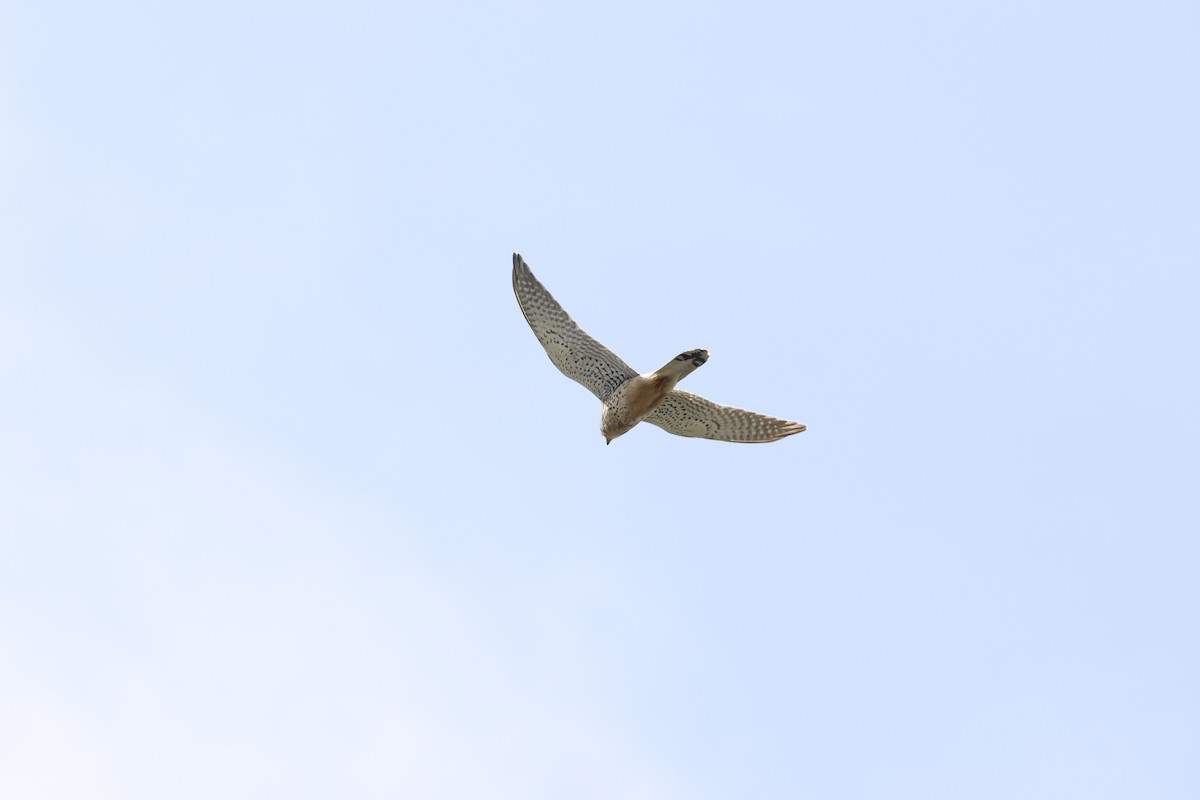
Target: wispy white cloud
(186,614)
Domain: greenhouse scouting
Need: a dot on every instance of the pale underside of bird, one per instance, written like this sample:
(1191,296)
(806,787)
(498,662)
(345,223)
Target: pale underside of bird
(627,396)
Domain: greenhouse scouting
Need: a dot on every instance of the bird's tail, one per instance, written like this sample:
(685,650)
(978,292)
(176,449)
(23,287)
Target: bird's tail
(681,366)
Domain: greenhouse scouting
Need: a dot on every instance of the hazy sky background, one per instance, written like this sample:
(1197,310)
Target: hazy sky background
(292,503)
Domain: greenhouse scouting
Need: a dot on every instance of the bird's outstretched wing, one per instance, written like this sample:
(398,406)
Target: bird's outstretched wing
(580,357)
(686,414)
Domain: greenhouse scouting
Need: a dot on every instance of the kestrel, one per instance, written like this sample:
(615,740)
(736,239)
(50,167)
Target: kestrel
(630,398)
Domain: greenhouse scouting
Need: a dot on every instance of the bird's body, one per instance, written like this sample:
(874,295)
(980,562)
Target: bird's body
(627,397)
(638,397)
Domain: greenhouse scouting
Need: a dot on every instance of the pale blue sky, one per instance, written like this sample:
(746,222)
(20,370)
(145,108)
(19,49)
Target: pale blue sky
(292,503)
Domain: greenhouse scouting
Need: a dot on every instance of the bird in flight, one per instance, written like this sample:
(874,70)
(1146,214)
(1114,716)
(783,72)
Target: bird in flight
(629,398)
